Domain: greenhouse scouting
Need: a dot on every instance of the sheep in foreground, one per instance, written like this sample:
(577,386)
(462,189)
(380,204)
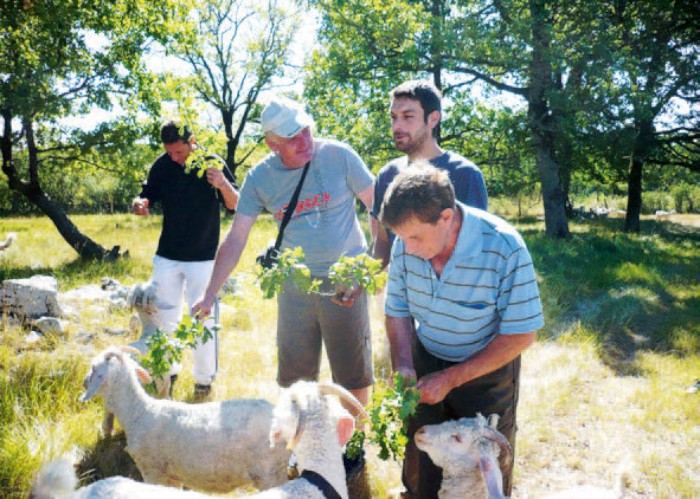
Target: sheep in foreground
(142,297)
(315,426)
(467,450)
(213,447)
(57,480)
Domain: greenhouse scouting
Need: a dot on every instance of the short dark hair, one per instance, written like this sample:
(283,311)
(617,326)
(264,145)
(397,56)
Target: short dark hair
(423,91)
(173,131)
(421,191)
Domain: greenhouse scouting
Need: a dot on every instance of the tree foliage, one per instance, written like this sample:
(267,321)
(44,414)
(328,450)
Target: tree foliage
(569,65)
(60,60)
(235,49)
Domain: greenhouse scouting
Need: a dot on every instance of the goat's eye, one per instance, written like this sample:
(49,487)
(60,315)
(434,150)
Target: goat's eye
(457,438)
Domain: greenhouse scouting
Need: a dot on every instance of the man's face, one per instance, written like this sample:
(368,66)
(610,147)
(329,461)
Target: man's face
(294,151)
(178,151)
(408,126)
(425,240)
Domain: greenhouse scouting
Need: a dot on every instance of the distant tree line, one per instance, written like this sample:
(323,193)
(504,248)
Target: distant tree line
(547,96)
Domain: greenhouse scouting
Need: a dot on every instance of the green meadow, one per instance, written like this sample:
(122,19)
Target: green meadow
(606,388)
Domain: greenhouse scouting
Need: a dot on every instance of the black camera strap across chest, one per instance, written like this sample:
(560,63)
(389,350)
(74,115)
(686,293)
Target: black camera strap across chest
(291,207)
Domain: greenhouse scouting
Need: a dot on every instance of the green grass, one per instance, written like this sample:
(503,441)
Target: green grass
(604,386)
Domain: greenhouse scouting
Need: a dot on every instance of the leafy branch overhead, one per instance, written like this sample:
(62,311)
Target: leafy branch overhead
(200,160)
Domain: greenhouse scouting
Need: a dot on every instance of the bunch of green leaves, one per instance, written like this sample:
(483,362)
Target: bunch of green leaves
(389,410)
(200,160)
(290,265)
(362,270)
(166,349)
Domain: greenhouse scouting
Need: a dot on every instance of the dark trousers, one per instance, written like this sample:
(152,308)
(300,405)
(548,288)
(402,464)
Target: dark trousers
(493,393)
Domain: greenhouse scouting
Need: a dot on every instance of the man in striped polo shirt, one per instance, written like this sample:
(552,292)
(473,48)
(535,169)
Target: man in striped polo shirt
(467,279)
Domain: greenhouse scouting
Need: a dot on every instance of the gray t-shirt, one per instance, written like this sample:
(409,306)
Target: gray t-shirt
(324,223)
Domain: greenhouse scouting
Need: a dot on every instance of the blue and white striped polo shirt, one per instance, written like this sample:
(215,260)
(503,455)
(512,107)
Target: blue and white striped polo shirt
(487,287)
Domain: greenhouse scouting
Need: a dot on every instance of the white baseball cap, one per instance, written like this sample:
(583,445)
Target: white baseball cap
(284,118)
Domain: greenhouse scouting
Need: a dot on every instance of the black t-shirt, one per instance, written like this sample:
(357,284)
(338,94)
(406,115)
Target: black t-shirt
(190,205)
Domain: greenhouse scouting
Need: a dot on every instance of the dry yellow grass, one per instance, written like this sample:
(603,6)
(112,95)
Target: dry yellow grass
(579,419)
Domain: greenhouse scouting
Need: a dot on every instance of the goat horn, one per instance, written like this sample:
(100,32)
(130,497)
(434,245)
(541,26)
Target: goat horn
(128,349)
(343,394)
(301,427)
(503,443)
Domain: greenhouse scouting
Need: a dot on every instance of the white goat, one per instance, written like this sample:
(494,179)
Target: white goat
(142,297)
(57,480)
(467,450)
(663,215)
(314,426)
(213,447)
(11,237)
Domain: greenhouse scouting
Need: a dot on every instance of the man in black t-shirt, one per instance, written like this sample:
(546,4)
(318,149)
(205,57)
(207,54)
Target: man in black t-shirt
(189,238)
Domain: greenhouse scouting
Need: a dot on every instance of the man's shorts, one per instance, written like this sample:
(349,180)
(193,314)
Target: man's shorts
(306,320)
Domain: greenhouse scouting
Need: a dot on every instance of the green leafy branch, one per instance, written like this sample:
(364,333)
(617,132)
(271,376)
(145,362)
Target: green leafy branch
(165,349)
(362,270)
(289,266)
(389,410)
(200,160)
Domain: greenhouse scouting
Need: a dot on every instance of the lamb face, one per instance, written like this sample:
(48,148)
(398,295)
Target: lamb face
(467,450)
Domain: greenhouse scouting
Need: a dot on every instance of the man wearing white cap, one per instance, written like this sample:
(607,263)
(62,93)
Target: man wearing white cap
(326,226)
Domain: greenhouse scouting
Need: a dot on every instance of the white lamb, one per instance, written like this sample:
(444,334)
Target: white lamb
(57,480)
(661,215)
(11,237)
(467,450)
(306,417)
(213,447)
(315,426)
(142,297)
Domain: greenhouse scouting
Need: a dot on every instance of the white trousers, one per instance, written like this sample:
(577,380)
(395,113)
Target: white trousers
(174,279)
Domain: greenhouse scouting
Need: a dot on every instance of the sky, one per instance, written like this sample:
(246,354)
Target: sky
(158,62)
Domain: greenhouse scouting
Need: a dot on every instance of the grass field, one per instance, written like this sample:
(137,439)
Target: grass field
(604,388)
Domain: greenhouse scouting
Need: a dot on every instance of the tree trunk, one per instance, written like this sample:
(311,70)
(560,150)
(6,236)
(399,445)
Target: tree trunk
(83,245)
(643,144)
(555,221)
(542,126)
(634,194)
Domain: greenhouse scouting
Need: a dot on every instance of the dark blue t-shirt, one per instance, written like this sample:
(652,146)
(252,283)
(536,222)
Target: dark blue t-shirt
(465,176)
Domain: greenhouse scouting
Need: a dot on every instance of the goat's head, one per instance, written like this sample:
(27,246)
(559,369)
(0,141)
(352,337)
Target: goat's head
(305,400)
(143,297)
(473,443)
(100,369)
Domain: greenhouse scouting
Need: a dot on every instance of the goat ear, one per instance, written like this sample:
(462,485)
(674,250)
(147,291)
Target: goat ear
(92,383)
(345,428)
(143,375)
(492,476)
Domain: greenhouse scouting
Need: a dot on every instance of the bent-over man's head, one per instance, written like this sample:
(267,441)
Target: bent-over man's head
(287,130)
(420,191)
(177,140)
(419,206)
